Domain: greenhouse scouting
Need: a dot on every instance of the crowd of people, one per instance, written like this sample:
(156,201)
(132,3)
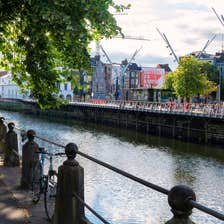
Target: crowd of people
(171,106)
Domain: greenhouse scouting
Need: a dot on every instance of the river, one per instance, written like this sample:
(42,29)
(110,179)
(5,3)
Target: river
(162,161)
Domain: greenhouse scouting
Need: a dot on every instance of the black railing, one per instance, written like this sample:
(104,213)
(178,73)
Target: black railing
(188,200)
(141,181)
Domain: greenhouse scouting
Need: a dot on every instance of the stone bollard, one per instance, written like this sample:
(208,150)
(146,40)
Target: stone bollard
(29,160)
(3,131)
(68,210)
(178,200)
(11,147)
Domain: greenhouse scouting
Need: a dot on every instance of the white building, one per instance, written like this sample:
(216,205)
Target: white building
(65,91)
(9,89)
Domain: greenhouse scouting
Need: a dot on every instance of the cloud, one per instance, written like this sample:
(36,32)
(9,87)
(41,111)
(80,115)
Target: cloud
(188,24)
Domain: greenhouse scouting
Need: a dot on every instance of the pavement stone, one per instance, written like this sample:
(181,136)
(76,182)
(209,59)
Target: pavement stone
(16,206)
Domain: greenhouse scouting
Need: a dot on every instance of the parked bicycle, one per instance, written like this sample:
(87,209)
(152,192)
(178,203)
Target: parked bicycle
(45,184)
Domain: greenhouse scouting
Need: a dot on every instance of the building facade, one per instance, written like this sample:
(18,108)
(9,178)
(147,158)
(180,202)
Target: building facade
(131,81)
(65,91)
(9,89)
(99,89)
(148,85)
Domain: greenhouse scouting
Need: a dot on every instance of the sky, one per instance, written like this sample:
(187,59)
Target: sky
(188,24)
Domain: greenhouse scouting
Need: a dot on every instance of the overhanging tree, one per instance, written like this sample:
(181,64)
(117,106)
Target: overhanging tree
(191,78)
(37,37)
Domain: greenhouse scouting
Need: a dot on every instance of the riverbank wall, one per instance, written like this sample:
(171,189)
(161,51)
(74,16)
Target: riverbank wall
(185,126)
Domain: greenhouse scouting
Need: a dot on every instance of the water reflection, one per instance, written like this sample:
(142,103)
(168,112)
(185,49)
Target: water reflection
(162,161)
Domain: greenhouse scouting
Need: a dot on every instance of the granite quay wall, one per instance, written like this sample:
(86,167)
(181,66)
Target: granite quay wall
(185,126)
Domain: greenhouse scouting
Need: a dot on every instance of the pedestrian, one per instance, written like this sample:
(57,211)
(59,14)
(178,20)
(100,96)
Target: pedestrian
(11,147)
(3,131)
(29,160)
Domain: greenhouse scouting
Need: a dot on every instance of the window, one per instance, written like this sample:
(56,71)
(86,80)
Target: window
(66,86)
(132,74)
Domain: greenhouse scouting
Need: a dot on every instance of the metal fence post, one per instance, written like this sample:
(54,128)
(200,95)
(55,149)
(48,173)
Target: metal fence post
(178,198)
(68,210)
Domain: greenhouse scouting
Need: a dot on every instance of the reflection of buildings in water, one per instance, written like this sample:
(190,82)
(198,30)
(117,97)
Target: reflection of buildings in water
(184,176)
(185,171)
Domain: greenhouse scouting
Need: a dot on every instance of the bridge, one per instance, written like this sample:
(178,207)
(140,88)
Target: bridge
(199,123)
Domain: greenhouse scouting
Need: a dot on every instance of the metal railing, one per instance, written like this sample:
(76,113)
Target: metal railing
(155,187)
(185,203)
(197,109)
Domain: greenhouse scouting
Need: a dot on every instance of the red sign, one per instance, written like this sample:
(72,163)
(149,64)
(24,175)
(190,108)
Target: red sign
(152,78)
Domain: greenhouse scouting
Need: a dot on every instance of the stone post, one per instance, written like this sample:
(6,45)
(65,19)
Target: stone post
(11,149)
(3,131)
(68,210)
(178,200)
(29,159)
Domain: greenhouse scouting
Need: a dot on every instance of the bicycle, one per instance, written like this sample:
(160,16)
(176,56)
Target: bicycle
(45,184)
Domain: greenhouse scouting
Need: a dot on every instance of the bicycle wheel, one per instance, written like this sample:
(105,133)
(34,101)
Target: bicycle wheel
(49,196)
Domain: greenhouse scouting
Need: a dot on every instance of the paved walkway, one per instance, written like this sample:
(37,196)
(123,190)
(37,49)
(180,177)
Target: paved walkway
(16,206)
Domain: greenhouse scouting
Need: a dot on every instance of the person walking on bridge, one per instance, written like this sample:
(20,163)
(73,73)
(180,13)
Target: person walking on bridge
(29,159)
(11,149)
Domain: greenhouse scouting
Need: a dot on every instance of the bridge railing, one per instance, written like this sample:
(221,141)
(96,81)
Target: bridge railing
(181,198)
(211,109)
(197,109)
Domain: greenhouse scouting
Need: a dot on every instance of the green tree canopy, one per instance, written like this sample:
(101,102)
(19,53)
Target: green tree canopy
(37,37)
(191,78)
(210,71)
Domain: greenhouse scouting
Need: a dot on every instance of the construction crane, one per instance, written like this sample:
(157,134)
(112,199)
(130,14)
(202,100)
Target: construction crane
(205,47)
(220,18)
(123,69)
(129,62)
(133,38)
(168,45)
(128,37)
(172,51)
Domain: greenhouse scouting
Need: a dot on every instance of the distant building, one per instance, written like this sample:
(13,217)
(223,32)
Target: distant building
(131,80)
(108,79)
(65,91)
(145,83)
(115,82)
(99,86)
(9,89)
(203,56)
(166,67)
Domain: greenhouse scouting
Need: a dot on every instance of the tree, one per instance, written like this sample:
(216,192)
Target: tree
(37,37)
(210,71)
(190,78)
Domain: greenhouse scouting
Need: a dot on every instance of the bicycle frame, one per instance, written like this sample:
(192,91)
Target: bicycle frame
(47,183)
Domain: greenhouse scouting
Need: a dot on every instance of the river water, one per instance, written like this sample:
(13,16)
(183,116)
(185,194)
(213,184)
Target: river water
(162,161)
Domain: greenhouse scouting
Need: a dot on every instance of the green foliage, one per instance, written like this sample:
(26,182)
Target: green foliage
(191,78)
(39,36)
(210,71)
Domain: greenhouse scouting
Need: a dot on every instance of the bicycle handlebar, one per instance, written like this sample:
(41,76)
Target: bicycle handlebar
(51,154)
